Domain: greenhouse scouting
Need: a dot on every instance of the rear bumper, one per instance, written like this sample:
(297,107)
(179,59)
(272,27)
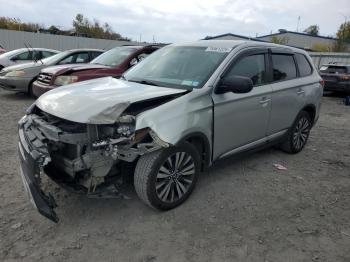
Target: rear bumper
(31,170)
(39,89)
(339,86)
(14,83)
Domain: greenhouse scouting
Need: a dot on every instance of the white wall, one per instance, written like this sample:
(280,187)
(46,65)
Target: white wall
(11,40)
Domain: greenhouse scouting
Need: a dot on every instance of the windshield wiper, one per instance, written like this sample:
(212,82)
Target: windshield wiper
(145,82)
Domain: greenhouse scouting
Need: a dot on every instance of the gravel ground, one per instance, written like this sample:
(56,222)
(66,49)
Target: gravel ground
(242,209)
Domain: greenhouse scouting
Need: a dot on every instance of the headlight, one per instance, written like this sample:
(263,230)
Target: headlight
(65,80)
(15,73)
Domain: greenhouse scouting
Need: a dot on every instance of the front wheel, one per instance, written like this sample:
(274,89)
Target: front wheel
(164,179)
(298,134)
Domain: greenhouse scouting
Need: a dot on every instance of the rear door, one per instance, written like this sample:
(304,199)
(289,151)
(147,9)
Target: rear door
(242,119)
(288,94)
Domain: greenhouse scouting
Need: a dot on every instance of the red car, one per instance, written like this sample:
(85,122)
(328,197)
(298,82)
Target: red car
(111,63)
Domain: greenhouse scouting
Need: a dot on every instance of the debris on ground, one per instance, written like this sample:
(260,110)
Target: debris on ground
(16,226)
(279,167)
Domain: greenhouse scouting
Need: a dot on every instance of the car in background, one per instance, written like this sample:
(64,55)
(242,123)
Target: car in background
(2,50)
(21,77)
(112,63)
(24,55)
(336,77)
(170,116)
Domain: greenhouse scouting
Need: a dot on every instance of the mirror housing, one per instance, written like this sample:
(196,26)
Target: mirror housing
(234,84)
(14,58)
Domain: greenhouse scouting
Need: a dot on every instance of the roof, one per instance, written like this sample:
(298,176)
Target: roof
(230,34)
(235,43)
(84,49)
(297,33)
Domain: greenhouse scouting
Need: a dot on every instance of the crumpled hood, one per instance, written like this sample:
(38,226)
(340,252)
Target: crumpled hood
(73,67)
(98,101)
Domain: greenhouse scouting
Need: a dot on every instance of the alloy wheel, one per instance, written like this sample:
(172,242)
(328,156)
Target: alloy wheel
(301,133)
(175,177)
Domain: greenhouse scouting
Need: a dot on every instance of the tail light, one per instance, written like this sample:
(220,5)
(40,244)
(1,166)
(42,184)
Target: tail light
(345,77)
(322,83)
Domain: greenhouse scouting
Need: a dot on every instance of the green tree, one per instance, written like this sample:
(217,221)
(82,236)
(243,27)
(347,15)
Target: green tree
(279,40)
(312,30)
(343,38)
(321,48)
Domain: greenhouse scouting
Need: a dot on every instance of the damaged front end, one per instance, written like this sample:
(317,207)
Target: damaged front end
(84,158)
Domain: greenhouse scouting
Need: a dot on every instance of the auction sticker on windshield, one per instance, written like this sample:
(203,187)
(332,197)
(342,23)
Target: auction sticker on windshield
(218,49)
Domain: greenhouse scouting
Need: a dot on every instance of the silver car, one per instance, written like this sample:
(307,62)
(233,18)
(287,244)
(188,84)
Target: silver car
(24,55)
(170,117)
(20,78)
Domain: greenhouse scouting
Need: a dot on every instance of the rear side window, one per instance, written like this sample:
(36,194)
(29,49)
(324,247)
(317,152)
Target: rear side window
(46,54)
(304,66)
(283,67)
(250,66)
(95,54)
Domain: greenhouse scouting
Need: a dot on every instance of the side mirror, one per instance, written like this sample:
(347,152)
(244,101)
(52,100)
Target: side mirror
(133,62)
(234,84)
(14,59)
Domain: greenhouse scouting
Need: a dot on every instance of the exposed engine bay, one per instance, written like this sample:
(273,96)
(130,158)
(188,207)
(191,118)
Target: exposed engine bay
(84,156)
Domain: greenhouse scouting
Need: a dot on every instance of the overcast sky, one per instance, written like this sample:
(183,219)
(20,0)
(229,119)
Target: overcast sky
(185,20)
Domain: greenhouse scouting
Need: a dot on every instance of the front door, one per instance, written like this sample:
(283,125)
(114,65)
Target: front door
(241,119)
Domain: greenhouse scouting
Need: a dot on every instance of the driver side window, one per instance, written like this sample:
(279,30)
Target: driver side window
(252,66)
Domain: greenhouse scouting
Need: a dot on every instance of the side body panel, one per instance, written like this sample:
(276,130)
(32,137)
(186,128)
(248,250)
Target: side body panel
(186,115)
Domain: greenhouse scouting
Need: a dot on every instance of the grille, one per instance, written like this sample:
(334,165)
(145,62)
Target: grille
(44,78)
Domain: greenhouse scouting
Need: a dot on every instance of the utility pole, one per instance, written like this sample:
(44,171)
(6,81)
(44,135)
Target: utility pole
(298,23)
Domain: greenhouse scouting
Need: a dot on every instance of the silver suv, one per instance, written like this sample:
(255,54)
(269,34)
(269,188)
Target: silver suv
(169,117)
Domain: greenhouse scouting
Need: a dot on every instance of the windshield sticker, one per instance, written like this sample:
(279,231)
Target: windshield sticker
(218,49)
(189,83)
(186,83)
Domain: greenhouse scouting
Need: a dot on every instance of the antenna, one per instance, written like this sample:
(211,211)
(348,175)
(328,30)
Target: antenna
(298,23)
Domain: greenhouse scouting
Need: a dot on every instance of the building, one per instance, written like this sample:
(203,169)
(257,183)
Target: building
(300,40)
(290,38)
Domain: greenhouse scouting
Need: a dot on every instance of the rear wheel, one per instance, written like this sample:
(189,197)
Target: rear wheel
(298,134)
(164,179)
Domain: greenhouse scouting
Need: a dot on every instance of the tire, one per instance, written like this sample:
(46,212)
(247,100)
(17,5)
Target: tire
(155,182)
(30,89)
(298,134)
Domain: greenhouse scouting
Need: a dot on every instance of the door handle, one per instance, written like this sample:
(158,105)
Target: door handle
(300,92)
(264,100)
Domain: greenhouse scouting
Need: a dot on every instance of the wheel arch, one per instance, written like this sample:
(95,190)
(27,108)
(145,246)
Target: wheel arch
(311,110)
(29,91)
(202,145)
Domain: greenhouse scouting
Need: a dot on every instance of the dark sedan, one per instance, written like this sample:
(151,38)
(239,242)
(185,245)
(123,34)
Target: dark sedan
(112,63)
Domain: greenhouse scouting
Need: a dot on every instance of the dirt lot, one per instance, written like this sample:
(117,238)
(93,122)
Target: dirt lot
(241,210)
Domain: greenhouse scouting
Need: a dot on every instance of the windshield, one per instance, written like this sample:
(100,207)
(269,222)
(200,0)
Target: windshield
(178,66)
(114,57)
(55,58)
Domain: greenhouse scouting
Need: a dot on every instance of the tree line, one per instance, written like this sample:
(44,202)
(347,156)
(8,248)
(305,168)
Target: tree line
(82,26)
